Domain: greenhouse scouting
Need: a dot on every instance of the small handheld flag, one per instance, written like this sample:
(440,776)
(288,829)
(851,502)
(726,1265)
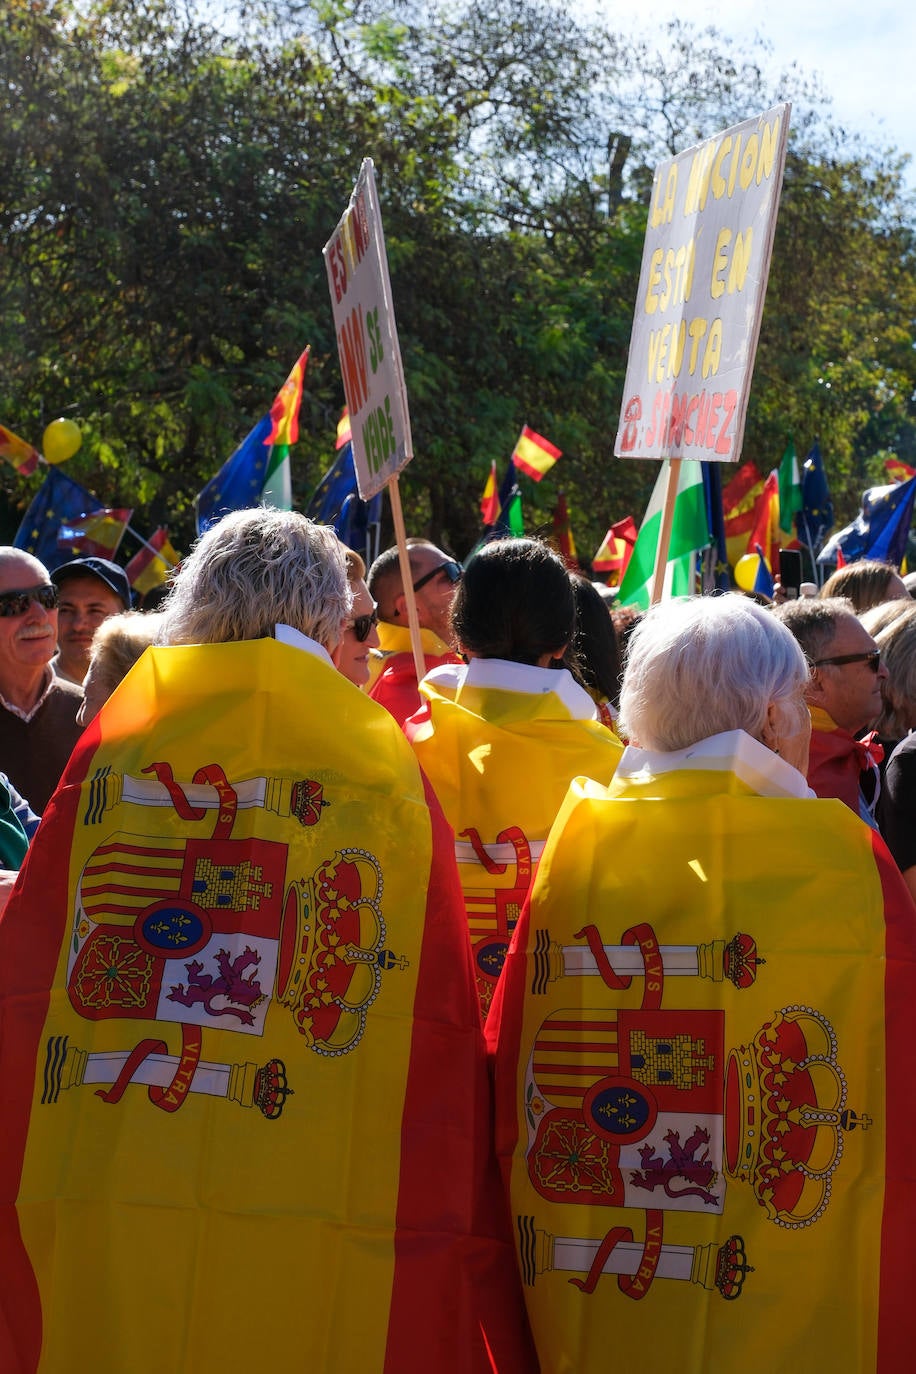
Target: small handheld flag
(534,454)
(489,501)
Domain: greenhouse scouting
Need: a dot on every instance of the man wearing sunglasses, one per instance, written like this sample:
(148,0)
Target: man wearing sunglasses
(38,726)
(435,581)
(844,697)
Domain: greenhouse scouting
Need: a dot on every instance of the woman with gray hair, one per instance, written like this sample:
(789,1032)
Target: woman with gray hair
(715,665)
(253,571)
(710,976)
(244,909)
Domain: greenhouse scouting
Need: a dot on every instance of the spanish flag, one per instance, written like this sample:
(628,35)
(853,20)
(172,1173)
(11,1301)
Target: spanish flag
(152,565)
(489,501)
(242,1079)
(705,1111)
(533,454)
(616,548)
(24,457)
(500,742)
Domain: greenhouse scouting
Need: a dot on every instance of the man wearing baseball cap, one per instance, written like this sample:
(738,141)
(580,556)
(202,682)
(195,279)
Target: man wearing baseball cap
(89,591)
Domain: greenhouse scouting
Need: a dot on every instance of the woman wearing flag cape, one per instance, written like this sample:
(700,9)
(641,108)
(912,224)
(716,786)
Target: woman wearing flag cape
(503,735)
(702,1037)
(242,1079)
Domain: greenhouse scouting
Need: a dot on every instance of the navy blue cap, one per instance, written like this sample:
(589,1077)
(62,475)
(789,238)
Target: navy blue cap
(110,573)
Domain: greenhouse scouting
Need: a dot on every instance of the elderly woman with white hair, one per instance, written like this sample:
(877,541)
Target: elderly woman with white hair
(704,997)
(238,967)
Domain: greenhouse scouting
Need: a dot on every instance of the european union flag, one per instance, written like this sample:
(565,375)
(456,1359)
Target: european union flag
(816,515)
(59,501)
(335,501)
(240,481)
(880,529)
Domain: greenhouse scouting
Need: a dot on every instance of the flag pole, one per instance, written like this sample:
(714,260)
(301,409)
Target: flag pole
(400,534)
(664,534)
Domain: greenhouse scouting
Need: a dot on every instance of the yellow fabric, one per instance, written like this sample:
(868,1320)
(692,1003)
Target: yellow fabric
(223,1279)
(692,859)
(500,762)
(395,639)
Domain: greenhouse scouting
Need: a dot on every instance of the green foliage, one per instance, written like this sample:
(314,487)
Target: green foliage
(167,186)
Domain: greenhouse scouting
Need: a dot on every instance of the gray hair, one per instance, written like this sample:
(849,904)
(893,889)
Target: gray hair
(814,622)
(705,665)
(254,570)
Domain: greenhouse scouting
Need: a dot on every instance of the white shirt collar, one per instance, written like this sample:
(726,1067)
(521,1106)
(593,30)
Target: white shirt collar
(285,634)
(734,751)
(506,676)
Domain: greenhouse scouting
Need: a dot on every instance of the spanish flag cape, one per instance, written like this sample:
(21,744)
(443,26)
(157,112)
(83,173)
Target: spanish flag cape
(242,1077)
(500,743)
(705,1105)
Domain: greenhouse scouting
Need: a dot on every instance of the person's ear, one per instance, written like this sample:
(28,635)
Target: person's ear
(399,609)
(769,735)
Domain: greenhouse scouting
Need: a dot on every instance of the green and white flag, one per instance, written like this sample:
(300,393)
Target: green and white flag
(689,532)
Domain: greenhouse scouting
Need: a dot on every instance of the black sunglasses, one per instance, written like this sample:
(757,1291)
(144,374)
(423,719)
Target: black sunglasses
(17,603)
(872,658)
(362,624)
(452,570)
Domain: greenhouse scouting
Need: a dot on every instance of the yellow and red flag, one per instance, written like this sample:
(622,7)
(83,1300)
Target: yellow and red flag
(152,565)
(23,456)
(765,530)
(739,501)
(563,535)
(616,548)
(344,432)
(534,454)
(284,413)
(242,1079)
(500,742)
(489,501)
(897,470)
(703,1059)
(98,534)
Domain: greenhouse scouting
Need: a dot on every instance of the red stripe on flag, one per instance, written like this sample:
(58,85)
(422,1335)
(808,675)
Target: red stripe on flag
(463,1250)
(30,947)
(896,1310)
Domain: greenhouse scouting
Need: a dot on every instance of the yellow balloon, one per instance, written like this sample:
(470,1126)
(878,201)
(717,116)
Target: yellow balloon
(60,440)
(746,571)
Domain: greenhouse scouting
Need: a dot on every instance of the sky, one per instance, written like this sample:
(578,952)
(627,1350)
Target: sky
(863,53)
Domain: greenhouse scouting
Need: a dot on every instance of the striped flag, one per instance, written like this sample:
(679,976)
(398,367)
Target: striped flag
(489,501)
(97,535)
(534,454)
(23,456)
(241,1056)
(616,549)
(152,565)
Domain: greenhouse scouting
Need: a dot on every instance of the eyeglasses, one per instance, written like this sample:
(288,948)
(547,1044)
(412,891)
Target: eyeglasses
(452,570)
(361,625)
(17,603)
(872,658)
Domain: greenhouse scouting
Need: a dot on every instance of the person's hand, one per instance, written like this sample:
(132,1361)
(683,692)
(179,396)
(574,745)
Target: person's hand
(8,878)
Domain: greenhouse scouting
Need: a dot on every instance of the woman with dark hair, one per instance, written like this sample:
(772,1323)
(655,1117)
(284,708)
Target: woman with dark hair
(594,655)
(503,735)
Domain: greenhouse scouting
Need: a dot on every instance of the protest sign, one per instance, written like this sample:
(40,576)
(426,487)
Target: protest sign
(367,339)
(701,290)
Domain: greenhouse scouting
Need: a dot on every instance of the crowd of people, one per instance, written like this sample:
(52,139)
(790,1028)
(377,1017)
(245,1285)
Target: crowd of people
(246,807)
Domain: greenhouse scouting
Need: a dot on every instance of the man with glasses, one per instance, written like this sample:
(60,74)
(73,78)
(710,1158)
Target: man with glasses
(38,726)
(844,697)
(435,581)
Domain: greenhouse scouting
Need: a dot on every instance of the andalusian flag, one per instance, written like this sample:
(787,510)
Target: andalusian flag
(703,1040)
(689,532)
(500,742)
(533,454)
(242,1079)
(790,492)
